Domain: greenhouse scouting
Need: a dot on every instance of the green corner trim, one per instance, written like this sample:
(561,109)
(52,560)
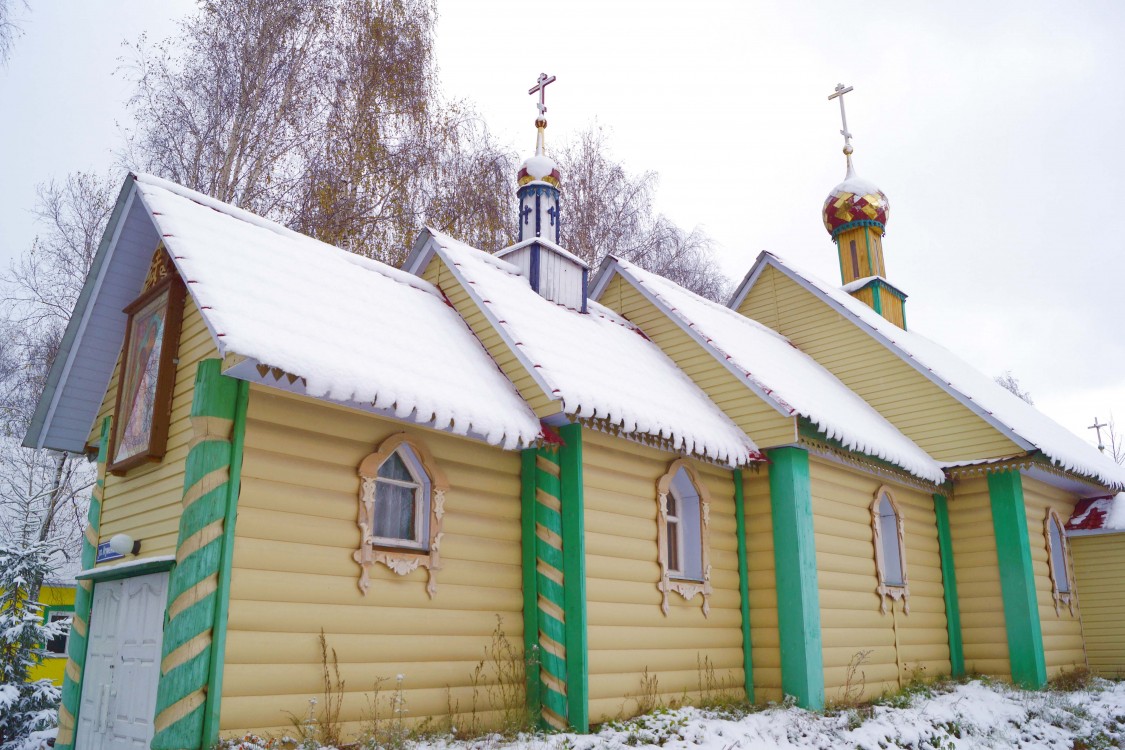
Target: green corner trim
(867,243)
(743,584)
(530,592)
(1017,579)
(117,572)
(184,695)
(574,577)
(83,599)
(949,582)
(226,566)
(798,605)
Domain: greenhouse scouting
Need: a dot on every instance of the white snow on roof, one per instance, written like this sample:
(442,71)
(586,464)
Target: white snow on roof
(545,243)
(1010,413)
(780,371)
(598,364)
(355,329)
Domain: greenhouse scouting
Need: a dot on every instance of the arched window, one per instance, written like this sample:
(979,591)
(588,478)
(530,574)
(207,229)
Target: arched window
(402,501)
(889,534)
(1058,561)
(401,505)
(682,535)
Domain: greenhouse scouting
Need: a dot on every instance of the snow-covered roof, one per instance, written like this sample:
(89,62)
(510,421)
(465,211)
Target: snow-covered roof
(1022,423)
(779,372)
(356,330)
(1098,514)
(545,243)
(598,365)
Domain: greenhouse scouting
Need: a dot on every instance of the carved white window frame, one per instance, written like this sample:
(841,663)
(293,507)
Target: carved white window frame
(1067,597)
(672,580)
(889,591)
(400,556)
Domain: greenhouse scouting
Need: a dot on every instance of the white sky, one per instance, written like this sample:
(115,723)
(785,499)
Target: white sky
(992,127)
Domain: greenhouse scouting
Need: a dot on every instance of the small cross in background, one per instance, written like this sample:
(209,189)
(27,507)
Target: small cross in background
(1098,427)
(840,91)
(541,87)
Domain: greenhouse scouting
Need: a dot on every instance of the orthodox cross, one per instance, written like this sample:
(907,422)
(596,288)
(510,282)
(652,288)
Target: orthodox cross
(1098,428)
(541,87)
(840,91)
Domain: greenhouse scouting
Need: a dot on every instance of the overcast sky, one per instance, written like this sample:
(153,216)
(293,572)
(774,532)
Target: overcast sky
(994,128)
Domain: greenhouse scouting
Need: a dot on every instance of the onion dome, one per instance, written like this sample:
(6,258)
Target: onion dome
(855,203)
(540,167)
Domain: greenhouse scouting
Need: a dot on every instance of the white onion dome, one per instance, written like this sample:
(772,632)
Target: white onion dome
(855,202)
(540,167)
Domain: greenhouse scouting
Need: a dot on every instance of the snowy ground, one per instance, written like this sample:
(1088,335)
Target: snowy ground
(955,717)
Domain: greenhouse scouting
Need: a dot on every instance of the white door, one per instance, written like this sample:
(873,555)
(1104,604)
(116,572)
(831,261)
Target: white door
(122,664)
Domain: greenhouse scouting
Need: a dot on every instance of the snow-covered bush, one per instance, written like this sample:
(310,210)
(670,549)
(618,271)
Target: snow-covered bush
(28,710)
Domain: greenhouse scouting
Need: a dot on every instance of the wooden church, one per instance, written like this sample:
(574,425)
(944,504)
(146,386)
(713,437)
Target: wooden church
(650,494)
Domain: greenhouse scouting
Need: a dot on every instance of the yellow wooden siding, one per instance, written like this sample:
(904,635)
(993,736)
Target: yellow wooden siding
(865,296)
(1098,562)
(628,633)
(145,503)
(983,630)
(758,419)
(899,646)
(765,637)
(438,274)
(294,573)
(1062,631)
(929,416)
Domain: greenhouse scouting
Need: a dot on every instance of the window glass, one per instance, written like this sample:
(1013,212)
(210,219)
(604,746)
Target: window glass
(57,645)
(1058,558)
(691,527)
(675,564)
(394,468)
(888,537)
(394,511)
(402,492)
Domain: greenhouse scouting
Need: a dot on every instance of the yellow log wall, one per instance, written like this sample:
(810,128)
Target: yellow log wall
(628,633)
(145,503)
(1098,562)
(294,574)
(929,416)
(1062,631)
(899,646)
(758,419)
(765,638)
(983,629)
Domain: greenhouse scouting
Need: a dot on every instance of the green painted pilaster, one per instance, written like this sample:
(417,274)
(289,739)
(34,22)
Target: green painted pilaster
(226,566)
(183,701)
(743,584)
(549,587)
(574,577)
(949,582)
(798,604)
(530,590)
(83,598)
(1017,579)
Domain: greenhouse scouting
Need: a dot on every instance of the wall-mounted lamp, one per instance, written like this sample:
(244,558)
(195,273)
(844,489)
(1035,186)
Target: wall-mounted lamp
(123,544)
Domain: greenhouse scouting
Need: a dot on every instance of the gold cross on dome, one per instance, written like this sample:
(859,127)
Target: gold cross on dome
(840,91)
(541,87)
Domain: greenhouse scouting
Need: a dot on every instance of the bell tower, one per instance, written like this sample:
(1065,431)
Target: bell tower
(855,215)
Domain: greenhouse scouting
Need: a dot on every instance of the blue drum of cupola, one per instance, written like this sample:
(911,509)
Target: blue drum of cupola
(539,211)
(538,194)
